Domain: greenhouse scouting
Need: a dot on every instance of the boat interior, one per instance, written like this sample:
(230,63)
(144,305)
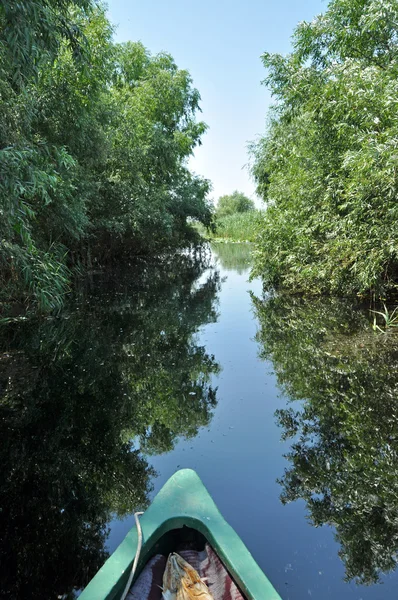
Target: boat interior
(216,583)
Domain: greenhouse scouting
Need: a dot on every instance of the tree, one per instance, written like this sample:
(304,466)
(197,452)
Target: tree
(233,203)
(326,167)
(94,143)
(147,192)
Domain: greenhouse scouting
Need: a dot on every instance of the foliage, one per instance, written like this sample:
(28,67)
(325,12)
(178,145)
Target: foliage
(390,319)
(327,167)
(78,414)
(233,203)
(240,227)
(94,142)
(342,381)
(31,29)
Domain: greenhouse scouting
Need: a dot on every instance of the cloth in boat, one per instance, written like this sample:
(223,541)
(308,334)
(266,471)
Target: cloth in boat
(149,584)
(207,564)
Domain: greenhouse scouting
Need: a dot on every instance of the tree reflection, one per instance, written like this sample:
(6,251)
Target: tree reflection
(233,256)
(80,396)
(345,431)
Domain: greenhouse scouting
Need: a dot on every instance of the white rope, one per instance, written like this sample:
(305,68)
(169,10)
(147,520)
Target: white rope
(137,556)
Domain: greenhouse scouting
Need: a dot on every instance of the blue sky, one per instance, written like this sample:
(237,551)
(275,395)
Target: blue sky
(220,43)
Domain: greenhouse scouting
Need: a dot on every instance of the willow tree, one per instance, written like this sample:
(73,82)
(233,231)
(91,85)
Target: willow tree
(327,166)
(94,143)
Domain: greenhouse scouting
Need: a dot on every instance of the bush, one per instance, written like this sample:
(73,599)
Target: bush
(233,203)
(327,167)
(94,142)
(240,227)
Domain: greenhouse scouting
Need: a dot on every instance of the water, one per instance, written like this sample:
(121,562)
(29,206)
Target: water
(285,408)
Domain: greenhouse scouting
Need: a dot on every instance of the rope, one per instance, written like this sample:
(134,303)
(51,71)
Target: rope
(137,556)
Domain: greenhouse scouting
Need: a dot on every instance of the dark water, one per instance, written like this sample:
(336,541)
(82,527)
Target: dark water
(287,409)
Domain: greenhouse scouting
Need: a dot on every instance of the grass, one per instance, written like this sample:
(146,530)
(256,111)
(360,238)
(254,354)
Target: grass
(240,227)
(390,319)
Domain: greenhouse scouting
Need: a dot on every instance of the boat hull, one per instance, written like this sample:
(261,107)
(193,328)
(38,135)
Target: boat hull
(182,502)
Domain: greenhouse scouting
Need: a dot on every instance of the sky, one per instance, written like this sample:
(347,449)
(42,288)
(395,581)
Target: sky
(220,43)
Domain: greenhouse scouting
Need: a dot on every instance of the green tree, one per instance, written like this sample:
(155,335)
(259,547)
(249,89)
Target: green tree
(94,143)
(147,193)
(37,187)
(31,32)
(326,167)
(233,203)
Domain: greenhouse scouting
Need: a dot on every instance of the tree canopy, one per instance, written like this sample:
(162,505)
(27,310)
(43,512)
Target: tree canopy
(94,142)
(234,203)
(327,166)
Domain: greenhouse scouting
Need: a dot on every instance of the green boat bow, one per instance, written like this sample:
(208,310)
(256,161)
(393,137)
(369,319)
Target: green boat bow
(182,502)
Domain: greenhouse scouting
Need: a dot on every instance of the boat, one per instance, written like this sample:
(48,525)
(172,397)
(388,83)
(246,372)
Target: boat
(183,509)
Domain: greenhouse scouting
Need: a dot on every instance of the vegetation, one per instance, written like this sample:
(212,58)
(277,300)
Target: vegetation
(390,319)
(233,204)
(327,167)
(80,413)
(94,142)
(240,227)
(235,219)
(342,421)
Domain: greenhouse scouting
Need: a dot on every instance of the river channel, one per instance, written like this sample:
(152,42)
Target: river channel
(286,408)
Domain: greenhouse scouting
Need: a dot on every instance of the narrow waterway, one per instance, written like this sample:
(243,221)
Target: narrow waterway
(287,409)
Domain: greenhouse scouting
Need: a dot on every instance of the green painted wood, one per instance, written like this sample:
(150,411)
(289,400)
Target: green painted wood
(183,500)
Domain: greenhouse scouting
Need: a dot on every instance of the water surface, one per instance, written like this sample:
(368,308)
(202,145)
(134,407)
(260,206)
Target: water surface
(287,410)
